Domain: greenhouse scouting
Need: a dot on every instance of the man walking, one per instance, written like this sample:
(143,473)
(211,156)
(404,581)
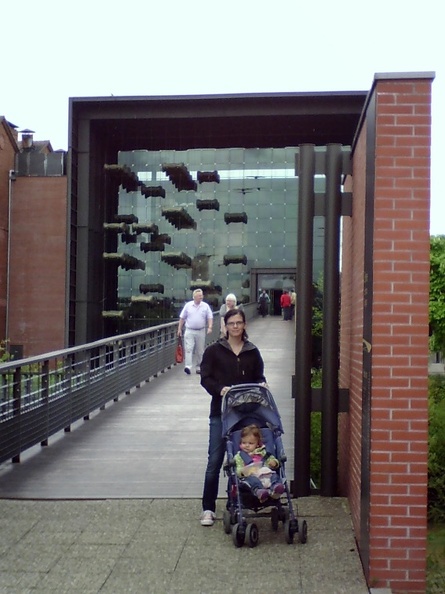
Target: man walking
(263,302)
(196,316)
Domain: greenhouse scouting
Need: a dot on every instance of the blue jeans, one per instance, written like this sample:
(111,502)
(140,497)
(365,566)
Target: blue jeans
(215,461)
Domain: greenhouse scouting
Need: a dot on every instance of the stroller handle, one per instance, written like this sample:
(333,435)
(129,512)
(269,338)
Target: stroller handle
(238,387)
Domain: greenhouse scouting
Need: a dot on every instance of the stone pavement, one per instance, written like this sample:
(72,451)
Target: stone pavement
(122,546)
(113,506)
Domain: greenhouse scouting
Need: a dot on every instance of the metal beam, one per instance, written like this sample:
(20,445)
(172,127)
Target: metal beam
(305,165)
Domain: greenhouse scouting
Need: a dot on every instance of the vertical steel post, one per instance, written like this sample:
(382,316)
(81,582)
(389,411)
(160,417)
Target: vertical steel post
(331,305)
(303,340)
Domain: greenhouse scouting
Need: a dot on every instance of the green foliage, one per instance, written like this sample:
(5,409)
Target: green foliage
(315,455)
(437,293)
(4,353)
(436,449)
(317,308)
(436,560)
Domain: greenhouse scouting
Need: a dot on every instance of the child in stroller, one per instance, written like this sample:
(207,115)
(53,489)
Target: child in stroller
(256,467)
(249,414)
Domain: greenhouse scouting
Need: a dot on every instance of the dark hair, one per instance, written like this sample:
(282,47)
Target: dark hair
(233,312)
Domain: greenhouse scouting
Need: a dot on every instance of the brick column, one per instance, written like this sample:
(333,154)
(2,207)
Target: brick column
(390,223)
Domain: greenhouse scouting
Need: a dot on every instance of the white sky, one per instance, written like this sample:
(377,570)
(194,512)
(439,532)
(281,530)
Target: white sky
(55,50)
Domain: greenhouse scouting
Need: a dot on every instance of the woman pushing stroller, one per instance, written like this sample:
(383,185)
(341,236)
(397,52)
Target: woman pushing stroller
(229,361)
(256,467)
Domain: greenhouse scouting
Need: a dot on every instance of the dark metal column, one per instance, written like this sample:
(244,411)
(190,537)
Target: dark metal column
(303,342)
(331,305)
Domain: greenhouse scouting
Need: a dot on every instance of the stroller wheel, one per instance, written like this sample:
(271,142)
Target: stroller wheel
(238,534)
(252,535)
(275,518)
(227,521)
(303,532)
(288,532)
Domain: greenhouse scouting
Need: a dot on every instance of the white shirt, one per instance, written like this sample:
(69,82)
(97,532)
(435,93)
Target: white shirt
(196,316)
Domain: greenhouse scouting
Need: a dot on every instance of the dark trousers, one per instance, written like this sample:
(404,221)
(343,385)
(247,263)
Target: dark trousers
(287,313)
(215,461)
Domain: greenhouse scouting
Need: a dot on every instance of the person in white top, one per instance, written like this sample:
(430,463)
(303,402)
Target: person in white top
(229,303)
(196,316)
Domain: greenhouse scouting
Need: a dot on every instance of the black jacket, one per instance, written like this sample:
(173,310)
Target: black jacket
(221,367)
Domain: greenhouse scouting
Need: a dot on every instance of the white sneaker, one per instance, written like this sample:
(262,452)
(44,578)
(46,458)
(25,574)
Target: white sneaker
(208,518)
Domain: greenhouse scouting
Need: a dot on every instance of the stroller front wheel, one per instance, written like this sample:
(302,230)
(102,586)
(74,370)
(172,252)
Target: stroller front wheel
(227,521)
(288,532)
(238,535)
(252,535)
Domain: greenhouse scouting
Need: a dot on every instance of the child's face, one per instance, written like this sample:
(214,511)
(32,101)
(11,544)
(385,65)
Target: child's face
(249,443)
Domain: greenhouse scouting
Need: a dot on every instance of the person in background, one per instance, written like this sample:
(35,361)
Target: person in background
(285,302)
(263,303)
(196,316)
(228,361)
(293,302)
(229,303)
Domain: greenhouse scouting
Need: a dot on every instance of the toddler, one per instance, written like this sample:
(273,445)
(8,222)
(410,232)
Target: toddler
(256,467)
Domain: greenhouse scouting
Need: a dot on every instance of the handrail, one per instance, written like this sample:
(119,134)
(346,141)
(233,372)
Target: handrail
(42,395)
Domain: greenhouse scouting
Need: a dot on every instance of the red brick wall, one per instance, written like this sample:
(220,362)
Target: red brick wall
(351,343)
(39,262)
(399,405)
(7,155)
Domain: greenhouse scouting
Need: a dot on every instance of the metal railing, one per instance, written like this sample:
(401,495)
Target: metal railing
(42,395)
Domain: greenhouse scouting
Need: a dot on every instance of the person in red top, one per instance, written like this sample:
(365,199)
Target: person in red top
(286,305)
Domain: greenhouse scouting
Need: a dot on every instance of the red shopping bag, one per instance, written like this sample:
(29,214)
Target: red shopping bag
(179,353)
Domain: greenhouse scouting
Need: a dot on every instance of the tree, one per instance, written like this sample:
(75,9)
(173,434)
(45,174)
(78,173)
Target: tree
(437,293)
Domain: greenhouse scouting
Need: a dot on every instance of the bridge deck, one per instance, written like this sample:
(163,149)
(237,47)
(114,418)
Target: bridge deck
(151,443)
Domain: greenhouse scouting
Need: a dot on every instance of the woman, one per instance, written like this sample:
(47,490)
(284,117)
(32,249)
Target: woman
(229,303)
(231,360)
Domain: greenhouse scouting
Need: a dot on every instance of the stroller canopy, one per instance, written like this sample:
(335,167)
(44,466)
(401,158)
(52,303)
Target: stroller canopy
(246,404)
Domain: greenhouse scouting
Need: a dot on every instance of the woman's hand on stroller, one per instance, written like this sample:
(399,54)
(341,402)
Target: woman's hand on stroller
(224,390)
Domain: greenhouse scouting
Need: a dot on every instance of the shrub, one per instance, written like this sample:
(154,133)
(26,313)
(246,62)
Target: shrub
(315,457)
(436,449)
(4,353)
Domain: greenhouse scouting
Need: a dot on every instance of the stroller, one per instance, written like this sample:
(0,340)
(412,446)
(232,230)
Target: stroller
(252,404)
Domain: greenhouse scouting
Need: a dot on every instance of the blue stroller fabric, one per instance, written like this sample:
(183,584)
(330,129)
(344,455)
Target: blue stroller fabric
(253,404)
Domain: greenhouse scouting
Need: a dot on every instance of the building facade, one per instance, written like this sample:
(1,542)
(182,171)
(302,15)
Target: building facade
(33,237)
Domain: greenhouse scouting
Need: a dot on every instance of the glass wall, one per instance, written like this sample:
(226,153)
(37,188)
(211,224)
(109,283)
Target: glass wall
(206,218)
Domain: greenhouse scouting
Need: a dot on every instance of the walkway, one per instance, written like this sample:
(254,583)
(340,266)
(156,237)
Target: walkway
(113,506)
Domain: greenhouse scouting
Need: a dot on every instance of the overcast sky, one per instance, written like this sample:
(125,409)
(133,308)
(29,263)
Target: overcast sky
(55,50)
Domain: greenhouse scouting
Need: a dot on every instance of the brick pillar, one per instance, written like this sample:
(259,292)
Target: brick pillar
(392,170)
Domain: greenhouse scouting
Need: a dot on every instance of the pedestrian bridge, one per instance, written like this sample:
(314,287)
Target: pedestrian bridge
(148,441)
